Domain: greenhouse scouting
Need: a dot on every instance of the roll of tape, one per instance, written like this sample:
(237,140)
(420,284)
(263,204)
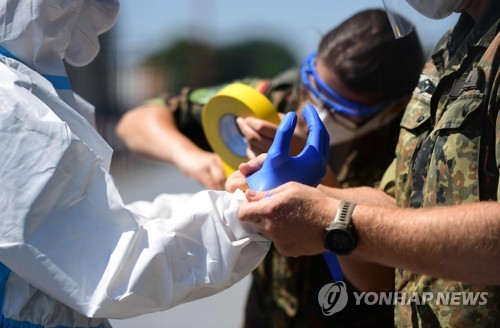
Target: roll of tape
(219,121)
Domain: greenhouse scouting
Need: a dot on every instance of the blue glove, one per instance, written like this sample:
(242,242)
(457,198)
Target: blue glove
(308,167)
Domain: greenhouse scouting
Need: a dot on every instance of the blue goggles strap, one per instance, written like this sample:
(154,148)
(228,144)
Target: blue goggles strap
(334,101)
(58,81)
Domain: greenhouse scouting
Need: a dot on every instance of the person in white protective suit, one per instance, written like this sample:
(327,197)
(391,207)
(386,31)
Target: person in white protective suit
(71,252)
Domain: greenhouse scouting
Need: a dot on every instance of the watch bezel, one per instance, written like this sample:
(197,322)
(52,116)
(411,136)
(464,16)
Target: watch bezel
(331,242)
(341,224)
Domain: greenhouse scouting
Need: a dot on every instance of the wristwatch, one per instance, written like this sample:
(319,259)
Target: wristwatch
(339,237)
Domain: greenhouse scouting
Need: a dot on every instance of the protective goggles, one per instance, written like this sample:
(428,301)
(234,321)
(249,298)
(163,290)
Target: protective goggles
(322,95)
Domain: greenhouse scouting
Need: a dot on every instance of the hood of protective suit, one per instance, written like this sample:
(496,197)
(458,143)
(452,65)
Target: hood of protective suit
(41,33)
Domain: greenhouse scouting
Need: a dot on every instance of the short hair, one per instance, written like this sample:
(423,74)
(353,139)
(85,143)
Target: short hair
(367,58)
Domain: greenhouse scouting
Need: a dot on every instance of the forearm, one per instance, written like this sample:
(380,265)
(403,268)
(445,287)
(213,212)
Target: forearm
(367,276)
(150,131)
(360,195)
(364,275)
(456,242)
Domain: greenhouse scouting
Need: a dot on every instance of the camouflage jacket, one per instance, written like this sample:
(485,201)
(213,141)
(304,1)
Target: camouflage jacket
(449,153)
(284,291)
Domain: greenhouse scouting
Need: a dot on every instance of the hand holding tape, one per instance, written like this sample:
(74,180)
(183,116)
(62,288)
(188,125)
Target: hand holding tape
(219,121)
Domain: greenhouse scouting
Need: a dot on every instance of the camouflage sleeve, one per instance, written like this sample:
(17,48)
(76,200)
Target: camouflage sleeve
(284,91)
(388,182)
(192,101)
(187,108)
(158,101)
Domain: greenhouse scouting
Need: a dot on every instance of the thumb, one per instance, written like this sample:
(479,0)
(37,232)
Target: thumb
(253,195)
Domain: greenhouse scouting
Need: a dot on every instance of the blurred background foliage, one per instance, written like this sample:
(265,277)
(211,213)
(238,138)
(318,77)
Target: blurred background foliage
(196,63)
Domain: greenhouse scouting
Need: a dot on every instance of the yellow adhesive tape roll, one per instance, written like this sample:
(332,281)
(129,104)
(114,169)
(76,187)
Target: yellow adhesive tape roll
(219,121)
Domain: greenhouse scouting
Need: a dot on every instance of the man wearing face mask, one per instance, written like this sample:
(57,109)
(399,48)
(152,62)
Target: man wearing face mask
(443,237)
(71,253)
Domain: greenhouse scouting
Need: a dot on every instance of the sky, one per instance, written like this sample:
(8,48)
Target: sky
(148,25)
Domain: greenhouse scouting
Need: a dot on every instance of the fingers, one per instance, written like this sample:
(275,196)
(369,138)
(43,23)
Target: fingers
(236,181)
(251,154)
(252,211)
(213,180)
(252,165)
(217,177)
(254,196)
(284,134)
(258,133)
(263,127)
(318,136)
(207,170)
(251,126)
(248,131)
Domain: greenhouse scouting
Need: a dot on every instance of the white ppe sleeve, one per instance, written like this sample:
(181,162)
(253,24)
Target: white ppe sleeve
(66,231)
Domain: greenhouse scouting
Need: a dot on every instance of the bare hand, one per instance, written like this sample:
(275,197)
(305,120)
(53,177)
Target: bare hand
(237,179)
(293,216)
(260,135)
(204,167)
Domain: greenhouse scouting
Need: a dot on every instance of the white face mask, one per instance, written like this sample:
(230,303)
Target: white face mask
(339,133)
(435,9)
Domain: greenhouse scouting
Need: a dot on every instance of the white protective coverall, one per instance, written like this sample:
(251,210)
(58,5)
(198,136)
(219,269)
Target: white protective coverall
(70,250)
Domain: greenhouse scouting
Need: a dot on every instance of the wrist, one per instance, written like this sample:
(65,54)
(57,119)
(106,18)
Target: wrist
(183,153)
(340,236)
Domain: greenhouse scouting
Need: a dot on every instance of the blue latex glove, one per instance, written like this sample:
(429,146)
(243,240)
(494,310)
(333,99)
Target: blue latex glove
(308,167)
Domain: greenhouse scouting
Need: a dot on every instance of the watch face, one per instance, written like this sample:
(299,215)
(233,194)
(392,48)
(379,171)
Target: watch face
(339,241)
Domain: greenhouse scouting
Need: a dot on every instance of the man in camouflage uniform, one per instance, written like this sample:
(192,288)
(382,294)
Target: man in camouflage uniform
(448,154)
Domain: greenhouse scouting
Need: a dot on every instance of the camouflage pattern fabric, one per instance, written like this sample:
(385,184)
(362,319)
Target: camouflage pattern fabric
(188,105)
(449,136)
(284,291)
